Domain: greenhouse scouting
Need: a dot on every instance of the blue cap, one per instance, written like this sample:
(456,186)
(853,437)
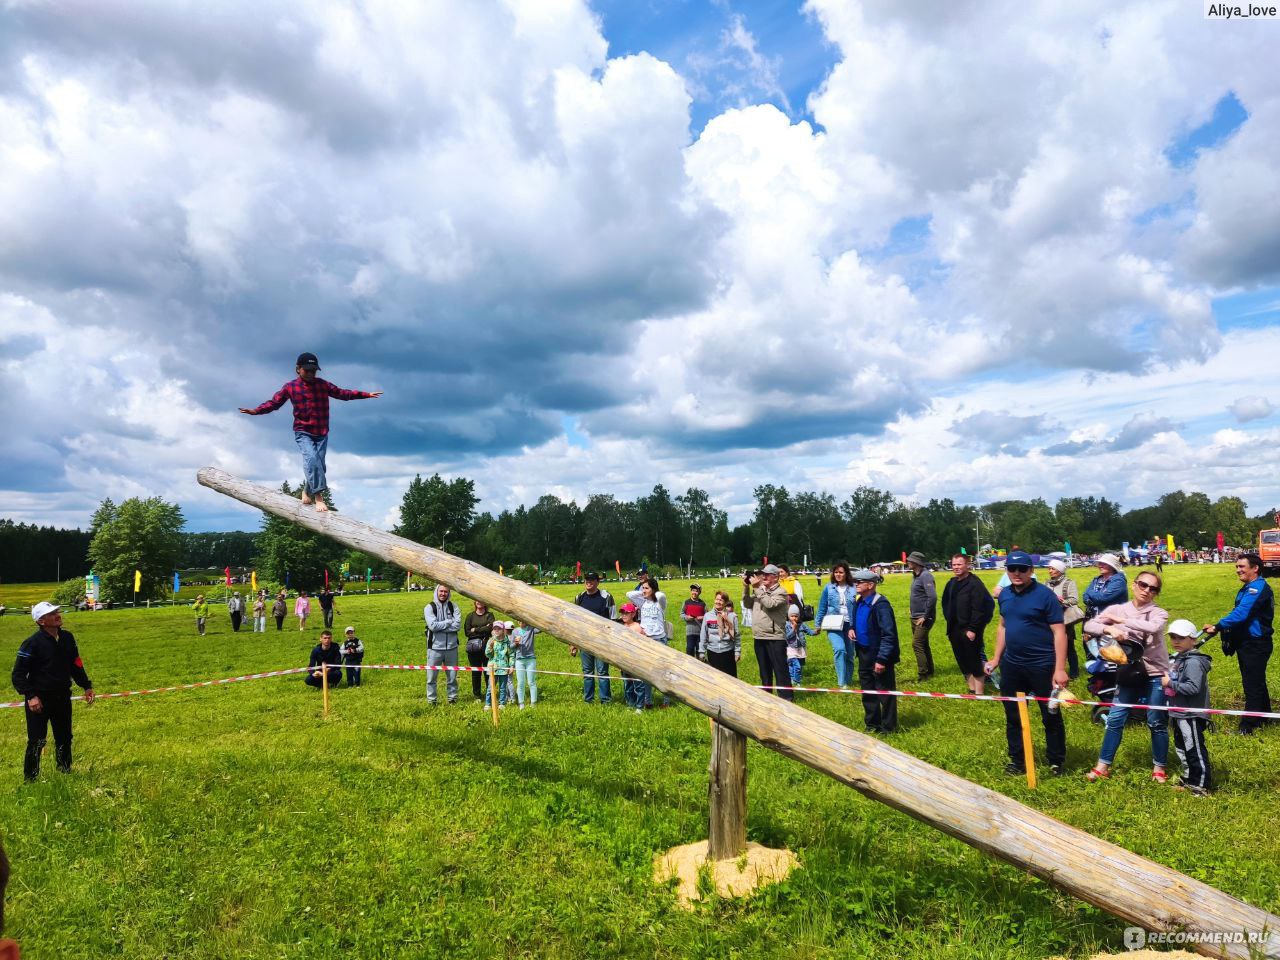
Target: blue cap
(1018,558)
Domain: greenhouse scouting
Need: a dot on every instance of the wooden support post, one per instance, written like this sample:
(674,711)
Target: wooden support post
(324,686)
(1119,881)
(727,793)
(1028,755)
(493,693)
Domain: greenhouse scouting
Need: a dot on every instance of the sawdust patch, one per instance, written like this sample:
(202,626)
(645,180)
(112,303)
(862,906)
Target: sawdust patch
(739,877)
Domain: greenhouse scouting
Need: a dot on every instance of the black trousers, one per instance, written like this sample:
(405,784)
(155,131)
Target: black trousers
(1253,656)
(691,641)
(280,621)
(772,657)
(1073,655)
(335,677)
(55,711)
(1015,679)
(1188,741)
(236,617)
(328,617)
(476,658)
(723,662)
(879,713)
(354,673)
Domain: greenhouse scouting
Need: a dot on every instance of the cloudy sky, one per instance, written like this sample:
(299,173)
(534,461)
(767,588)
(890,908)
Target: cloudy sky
(977,250)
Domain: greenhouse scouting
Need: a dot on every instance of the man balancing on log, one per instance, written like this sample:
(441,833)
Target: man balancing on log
(310,398)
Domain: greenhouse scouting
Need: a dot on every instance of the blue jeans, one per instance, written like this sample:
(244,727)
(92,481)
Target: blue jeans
(843,658)
(525,676)
(1157,721)
(502,680)
(795,667)
(313,451)
(591,667)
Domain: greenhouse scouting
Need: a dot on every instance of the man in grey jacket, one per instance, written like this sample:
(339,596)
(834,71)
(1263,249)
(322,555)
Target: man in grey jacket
(923,608)
(444,620)
(768,606)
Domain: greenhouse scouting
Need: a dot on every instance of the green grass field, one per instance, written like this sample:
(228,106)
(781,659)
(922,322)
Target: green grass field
(237,821)
(15,595)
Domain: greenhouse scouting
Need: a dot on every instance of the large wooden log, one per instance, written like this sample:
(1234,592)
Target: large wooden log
(1134,888)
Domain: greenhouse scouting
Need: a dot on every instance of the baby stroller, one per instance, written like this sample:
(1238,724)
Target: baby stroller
(1102,676)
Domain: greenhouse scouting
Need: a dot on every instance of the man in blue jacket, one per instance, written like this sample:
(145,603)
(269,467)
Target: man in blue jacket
(875,641)
(1107,589)
(1246,633)
(1031,652)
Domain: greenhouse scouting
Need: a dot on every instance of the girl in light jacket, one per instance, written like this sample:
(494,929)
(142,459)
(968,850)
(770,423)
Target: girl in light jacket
(837,598)
(302,609)
(652,606)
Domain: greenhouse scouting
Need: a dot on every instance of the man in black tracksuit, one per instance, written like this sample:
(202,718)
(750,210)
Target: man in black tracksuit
(967,607)
(47,662)
(326,658)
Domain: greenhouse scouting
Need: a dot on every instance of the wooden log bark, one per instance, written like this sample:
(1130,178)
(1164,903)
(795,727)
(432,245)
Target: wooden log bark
(727,793)
(1131,887)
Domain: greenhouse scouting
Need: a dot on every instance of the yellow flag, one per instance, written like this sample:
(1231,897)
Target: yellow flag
(1170,539)
(137,580)
(499,569)
(253,581)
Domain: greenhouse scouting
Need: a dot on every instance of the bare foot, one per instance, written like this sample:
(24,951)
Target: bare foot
(321,507)
(306,497)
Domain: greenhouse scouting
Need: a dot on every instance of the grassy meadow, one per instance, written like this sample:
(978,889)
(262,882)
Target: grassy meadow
(237,821)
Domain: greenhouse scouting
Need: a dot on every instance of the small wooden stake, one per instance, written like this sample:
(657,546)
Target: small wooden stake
(1030,757)
(727,794)
(324,686)
(493,693)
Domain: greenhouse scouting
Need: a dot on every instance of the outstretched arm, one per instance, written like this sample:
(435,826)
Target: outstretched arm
(338,393)
(275,403)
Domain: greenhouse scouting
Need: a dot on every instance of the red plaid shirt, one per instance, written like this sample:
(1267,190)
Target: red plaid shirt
(310,403)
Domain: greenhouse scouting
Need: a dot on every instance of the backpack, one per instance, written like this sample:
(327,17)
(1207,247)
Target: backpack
(806,609)
(1131,673)
(449,608)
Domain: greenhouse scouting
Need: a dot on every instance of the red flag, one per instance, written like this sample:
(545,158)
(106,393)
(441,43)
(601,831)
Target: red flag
(904,556)
(326,578)
(577,570)
(764,562)
(227,572)
(617,565)
(1221,541)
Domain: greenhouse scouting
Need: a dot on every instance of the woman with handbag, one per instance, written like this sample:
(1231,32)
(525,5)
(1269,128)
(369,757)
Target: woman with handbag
(478,626)
(1068,594)
(1136,621)
(833,614)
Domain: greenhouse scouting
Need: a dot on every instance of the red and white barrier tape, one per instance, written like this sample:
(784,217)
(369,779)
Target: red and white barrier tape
(993,698)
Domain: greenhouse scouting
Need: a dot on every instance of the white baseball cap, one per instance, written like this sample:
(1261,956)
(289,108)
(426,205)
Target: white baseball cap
(1182,628)
(43,609)
(349,630)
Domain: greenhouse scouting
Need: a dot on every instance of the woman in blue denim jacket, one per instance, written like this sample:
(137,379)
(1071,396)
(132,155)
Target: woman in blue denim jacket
(837,598)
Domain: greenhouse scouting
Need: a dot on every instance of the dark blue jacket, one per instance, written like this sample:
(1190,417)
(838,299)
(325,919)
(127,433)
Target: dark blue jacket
(1251,618)
(882,629)
(48,664)
(1098,595)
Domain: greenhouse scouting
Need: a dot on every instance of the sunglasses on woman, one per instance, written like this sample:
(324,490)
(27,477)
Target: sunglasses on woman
(1146,585)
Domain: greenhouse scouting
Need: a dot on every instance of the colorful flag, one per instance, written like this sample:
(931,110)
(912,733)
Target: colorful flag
(137,580)
(904,556)
(253,581)
(577,570)
(346,568)
(1067,547)
(1222,542)
(368,575)
(617,565)
(226,571)
(326,578)
(177,582)
(499,569)
(1170,538)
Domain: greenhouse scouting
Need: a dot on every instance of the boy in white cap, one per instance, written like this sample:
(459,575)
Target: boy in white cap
(352,656)
(1187,685)
(47,662)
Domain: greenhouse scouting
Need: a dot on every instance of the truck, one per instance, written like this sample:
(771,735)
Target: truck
(1269,549)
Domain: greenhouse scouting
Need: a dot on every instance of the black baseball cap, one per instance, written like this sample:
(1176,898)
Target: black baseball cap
(591,575)
(308,360)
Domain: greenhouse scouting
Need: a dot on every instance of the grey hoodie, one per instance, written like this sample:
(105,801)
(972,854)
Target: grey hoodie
(444,620)
(1189,680)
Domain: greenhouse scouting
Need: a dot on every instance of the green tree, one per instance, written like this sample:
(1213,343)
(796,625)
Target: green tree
(438,513)
(866,514)
(817,525)
(288,552)
(1228,516)
(143,535)
(774,515)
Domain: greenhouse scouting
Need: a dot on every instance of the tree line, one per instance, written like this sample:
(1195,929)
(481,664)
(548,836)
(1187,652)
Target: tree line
(662,530)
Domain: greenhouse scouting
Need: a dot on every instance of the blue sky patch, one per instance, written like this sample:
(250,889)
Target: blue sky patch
(1229,115)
